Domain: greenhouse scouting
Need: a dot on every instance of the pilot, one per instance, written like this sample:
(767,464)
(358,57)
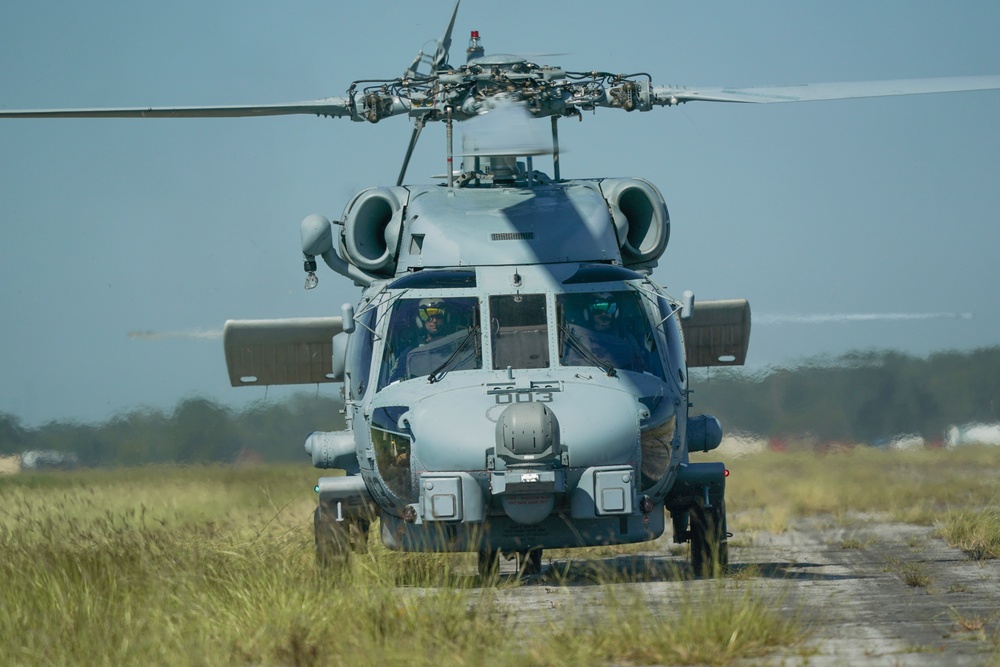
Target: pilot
(433,320)
(602,312)
(603,339)
(430,322)
(433,324)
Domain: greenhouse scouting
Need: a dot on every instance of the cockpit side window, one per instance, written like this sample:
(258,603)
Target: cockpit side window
(431,335)
(675,340)
(519,331)
(606,328)
(359,351)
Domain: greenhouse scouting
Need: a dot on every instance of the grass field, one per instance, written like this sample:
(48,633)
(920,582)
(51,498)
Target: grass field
(956,490)
(214,565)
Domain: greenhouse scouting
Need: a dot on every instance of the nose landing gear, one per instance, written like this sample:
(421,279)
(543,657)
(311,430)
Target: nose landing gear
(528,562)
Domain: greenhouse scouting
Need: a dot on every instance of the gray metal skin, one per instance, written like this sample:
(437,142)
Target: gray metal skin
(462,484)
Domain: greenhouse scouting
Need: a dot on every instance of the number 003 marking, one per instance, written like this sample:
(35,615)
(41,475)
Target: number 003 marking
(524,397)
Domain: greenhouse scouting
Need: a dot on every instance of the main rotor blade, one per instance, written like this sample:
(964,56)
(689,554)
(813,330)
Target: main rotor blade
(810,92)
(329,106)
(444,44)
(440,52)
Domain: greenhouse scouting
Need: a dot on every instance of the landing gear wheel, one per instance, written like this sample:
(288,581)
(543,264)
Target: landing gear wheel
(529,562)
(489,563)
(709,541)
(335,540)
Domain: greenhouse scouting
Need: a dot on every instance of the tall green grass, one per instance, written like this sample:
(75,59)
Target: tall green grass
(710,623)
(204,565)
(976,531)
(921,487)
(215,565)
(212,565)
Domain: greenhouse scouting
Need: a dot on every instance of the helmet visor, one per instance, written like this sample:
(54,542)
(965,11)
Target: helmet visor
(428,311)
(604,306)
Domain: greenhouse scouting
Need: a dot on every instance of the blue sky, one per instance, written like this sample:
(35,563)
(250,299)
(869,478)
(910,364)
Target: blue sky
(875,206)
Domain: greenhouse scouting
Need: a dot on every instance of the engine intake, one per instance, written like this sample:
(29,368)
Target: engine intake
(641,219)
(372,226)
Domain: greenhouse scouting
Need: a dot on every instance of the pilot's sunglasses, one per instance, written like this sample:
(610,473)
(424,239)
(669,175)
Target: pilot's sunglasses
(427,312)
(606,307)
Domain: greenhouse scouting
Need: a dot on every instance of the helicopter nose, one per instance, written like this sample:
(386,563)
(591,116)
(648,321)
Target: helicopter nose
(527,432)
(527,439)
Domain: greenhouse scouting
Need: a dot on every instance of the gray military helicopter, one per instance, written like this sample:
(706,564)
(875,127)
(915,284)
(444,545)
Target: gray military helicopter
(514,379)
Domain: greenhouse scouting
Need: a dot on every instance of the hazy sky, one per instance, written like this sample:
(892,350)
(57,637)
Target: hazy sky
(859,207)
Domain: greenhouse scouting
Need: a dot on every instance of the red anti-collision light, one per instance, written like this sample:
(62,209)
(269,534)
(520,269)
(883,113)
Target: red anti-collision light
(475,34)
(727,473)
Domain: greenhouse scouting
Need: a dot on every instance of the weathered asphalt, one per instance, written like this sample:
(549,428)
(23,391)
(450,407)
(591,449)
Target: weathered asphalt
(845,581)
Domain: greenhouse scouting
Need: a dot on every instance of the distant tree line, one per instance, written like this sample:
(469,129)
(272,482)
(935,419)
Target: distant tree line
(197,431)
(859,397)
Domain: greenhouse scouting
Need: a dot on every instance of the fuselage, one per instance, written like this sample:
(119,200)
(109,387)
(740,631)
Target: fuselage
(548,405)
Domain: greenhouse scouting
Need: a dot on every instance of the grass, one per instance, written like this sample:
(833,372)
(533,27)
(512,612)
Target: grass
(211,565)
(214,565)
(710,626)
(976,532)
(204,565)
(854,543)
(921,487)
(971,624)
(915,575)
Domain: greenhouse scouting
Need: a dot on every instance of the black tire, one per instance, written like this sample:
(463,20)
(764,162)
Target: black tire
(488,563)
(709,541)
(529,562)
(335,540)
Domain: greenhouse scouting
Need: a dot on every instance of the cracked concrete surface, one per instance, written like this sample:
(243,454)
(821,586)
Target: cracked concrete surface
(869,590)
(885,593)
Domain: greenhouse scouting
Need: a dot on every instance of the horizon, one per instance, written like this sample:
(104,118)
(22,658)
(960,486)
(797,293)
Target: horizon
(849,359)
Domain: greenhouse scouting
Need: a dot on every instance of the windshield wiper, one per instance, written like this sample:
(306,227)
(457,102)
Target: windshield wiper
(586,353)
(438,372)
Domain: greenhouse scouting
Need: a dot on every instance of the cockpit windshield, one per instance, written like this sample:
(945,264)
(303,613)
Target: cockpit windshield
(430,336)
(519,331)
(607,329)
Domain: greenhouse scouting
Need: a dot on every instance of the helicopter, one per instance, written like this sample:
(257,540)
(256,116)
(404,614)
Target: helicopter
(523,429)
